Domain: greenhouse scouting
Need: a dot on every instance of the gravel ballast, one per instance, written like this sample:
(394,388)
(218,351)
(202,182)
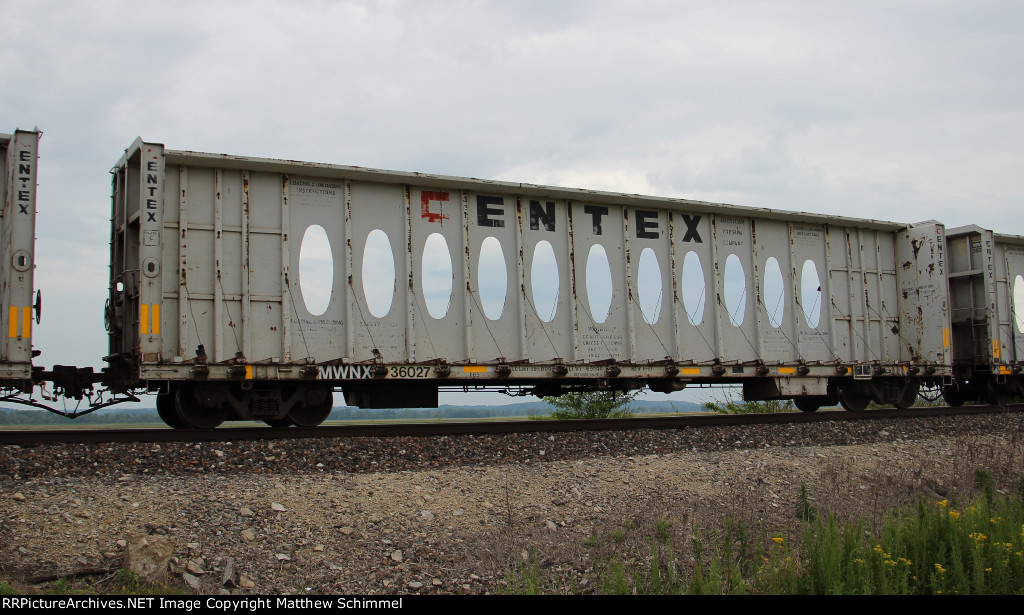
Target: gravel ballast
(461,514)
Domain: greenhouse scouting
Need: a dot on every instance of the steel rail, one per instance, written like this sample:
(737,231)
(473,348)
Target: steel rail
(30,437)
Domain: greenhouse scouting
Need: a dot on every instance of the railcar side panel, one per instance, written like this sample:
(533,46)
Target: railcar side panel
(18,176)
(247,269)
(1009,273)
(1014,258)
(924,324)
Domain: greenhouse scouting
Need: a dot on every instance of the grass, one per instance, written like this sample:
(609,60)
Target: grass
(122,582)
(525,577)
(933,547)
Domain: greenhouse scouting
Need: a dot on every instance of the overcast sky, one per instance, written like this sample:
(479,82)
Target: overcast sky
(894,110)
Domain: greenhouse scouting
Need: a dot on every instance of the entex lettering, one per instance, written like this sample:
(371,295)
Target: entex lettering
(152,184)
(25,176)
(489,213)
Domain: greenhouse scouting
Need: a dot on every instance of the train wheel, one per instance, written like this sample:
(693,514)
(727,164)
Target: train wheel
(196,415)
(953,397)
(807,403)
(165,408)
(314,409)
(909,395)
(853,401)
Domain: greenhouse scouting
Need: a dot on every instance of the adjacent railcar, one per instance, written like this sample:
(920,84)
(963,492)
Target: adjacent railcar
(18,157)
(443,281)
(986,289)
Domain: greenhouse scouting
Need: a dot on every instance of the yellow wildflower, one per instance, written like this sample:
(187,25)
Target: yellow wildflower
(954,515)
(943,503)
(940,569)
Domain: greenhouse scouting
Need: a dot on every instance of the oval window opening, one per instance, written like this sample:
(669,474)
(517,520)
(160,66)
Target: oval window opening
(810,293)
(544,281)
(599,283)
(378,273)
(436,275)
(693,288)
(1018,303)
(774,292)
(649,287)
(316,270)
(492,278)
(735,290)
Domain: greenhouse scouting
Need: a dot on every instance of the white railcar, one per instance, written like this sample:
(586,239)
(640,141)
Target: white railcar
(434,281)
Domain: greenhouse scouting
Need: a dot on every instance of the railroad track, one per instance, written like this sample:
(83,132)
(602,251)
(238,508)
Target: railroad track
(28,437)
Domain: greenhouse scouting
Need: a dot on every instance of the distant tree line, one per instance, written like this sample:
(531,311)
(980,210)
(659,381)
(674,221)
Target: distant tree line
(42,417)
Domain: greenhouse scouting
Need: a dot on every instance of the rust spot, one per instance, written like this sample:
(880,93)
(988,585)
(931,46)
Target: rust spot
(916,246)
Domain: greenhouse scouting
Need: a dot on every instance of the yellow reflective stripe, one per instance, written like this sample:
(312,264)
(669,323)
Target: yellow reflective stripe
(1004,370)
(26,321)
(690,371)
(945,337)
(474,369)
(156,319)
(144,319)
(995,348)
(248,372)
(12,322)
(787,370)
